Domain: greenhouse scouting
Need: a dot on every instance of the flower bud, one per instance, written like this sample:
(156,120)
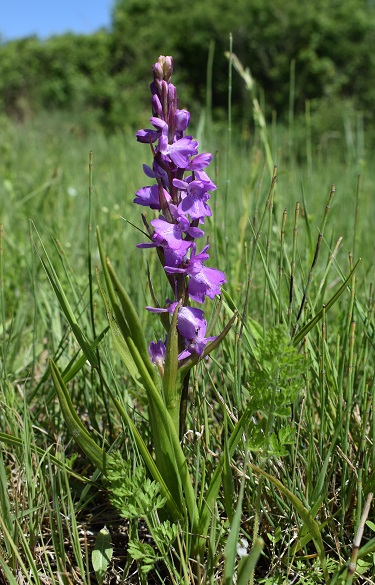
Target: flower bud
(157,70)
(182,119)
(172,96)
(168,68)
(163,68)
(157,110)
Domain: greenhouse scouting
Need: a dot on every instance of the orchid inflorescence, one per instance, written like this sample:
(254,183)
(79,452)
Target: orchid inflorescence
(182,201)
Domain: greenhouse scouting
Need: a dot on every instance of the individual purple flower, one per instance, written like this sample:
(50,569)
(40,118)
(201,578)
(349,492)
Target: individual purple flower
(157,350)
(191,325)
(180,151)
(203,281)
(194,199)
(147,136)
(149,196)
(170,234)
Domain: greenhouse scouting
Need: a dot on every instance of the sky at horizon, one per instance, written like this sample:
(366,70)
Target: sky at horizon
(23,18)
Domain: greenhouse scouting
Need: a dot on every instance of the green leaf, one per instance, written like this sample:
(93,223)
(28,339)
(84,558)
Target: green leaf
(117,337)
(67,310)
(102,554)
(144,554)
(131,316)
(75,427)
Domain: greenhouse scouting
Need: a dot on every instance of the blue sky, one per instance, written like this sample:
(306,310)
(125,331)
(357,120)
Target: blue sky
(21,18)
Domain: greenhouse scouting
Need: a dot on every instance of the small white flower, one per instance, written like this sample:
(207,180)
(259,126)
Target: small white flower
(242,546)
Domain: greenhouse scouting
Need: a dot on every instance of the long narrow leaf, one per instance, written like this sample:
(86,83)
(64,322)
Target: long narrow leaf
(95,453)
(117,337)
(67,310)
(131,316)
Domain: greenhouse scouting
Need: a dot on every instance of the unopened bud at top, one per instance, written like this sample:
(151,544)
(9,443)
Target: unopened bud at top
(163,68)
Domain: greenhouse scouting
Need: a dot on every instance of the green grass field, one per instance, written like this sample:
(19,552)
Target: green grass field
(303,469)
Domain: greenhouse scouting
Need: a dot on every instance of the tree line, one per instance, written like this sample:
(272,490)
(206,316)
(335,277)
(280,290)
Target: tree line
(330,44)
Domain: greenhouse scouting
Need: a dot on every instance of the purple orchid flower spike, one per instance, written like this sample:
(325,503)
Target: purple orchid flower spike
(181,195)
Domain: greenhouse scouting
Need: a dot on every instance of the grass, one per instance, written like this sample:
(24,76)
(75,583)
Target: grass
(306,458)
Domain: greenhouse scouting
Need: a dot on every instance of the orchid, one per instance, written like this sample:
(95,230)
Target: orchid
(183,202)
(177,194)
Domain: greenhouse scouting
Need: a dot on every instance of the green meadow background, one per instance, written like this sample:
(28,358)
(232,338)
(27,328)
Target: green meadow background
(306,106)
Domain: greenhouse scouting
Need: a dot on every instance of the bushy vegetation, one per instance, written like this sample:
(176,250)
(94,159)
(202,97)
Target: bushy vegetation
(320,53)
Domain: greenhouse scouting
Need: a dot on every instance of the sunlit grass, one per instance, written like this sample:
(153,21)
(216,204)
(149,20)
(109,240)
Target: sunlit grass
(49,518)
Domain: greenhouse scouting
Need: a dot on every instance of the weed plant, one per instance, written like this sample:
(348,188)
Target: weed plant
(296,488)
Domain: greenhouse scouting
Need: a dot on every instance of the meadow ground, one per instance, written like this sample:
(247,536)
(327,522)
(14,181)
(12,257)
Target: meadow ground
(312,424)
